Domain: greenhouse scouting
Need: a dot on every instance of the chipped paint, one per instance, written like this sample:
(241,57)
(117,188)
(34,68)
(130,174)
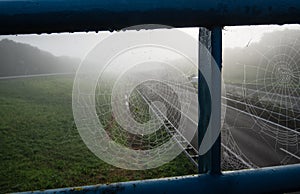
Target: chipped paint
(78,189)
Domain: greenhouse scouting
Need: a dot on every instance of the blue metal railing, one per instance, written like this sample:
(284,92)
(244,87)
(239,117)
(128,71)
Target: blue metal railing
(211,161)
(265,180)
(46,16)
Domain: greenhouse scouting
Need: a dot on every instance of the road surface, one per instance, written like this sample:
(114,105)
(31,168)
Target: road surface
(259,147)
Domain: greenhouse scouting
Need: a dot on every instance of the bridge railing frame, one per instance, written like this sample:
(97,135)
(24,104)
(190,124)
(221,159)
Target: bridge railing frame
(52,16)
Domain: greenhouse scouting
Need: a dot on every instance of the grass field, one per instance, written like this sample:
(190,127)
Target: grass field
(40,147)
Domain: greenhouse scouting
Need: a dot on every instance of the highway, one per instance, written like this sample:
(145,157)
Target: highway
(253,141)
(267,138)
(190,124)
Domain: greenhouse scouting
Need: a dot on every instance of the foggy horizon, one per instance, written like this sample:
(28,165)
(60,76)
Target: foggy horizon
(79,44)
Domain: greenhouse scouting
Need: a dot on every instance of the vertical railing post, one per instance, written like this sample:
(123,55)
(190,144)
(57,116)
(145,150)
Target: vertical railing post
(209,96)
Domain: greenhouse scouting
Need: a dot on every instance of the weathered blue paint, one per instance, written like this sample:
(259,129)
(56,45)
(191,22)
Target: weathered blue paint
(46,16)
(211,161)
(216,46)
(265,180)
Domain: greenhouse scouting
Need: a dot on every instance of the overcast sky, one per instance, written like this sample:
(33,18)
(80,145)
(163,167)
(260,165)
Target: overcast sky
(79,44)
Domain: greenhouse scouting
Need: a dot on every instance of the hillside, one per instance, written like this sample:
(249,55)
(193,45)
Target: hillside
(24,59)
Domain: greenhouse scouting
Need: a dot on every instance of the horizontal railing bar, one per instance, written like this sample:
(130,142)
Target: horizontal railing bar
(48,16)
(264,180)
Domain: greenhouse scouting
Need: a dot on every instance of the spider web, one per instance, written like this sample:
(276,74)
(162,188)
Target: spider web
(144,114)
(269,96)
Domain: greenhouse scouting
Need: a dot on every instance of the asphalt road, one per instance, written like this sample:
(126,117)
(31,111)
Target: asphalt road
(259,147)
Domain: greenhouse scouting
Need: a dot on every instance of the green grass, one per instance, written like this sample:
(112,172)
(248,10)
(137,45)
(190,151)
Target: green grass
(40,147)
